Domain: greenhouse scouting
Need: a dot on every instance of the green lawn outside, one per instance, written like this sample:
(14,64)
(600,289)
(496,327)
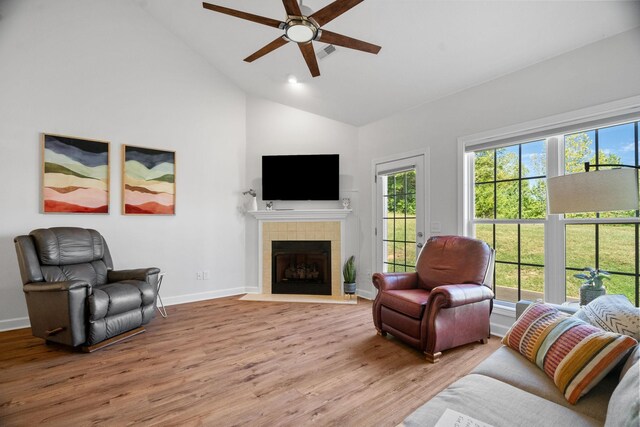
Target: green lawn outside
(617,246)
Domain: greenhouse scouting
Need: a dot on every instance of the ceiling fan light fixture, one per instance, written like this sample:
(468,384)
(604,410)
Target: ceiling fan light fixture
(300,30)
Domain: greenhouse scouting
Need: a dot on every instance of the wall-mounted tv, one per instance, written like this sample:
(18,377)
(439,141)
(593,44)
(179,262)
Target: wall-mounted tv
(301,177)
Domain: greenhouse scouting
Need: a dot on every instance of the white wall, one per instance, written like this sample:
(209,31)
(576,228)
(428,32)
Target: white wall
(104,69)
(273,129)
(592,75)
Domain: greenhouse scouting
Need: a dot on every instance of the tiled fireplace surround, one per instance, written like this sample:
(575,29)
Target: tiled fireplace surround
(301,225)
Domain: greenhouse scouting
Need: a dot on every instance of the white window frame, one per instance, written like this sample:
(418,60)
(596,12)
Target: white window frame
(548,128)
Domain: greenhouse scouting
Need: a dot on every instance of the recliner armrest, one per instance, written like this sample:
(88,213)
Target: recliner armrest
(449,296)
(135,274)
(55,286)
(393,281)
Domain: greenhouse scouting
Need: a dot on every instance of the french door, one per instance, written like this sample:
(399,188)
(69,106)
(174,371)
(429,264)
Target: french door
(400,213)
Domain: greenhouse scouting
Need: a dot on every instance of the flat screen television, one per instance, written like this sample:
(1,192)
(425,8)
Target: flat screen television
(301,177)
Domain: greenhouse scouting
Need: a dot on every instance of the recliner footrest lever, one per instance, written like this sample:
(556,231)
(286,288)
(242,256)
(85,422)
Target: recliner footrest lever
(55,331)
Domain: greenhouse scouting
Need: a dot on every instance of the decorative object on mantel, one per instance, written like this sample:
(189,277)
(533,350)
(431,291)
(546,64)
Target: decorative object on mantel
(75,175)
(270,206)
(592,287)
(254,202)
(349,273)
(346,203)
(148,181)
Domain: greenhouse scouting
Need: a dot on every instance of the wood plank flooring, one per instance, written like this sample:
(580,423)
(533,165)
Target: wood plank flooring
(226,362)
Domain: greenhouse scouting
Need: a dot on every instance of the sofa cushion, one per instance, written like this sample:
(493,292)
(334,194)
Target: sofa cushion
(409,302)
(508,366)
(575,354)
(613,313)
(624,406)
(485,398)
(633,358)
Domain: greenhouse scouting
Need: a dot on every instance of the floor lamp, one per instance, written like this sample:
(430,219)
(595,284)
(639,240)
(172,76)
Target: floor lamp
(594,191)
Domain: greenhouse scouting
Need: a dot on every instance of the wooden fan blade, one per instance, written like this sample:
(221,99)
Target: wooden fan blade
(310,57)
(280,41)
(292,7)
(244,15)
(344,41)
(333,10)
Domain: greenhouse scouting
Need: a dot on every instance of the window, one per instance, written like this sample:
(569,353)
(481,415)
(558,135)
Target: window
(608,240)
(510,207)
(399,221)
(537,255)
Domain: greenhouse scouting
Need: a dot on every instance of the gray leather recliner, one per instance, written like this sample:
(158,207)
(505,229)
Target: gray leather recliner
(74,296)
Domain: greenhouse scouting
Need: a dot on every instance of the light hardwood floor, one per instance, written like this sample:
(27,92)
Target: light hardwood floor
(226,362)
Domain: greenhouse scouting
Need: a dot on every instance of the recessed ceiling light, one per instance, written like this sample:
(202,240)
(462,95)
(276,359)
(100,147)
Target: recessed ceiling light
(292,79)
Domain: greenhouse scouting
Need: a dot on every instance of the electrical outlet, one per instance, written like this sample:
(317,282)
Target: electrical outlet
(199,275)
(205,275)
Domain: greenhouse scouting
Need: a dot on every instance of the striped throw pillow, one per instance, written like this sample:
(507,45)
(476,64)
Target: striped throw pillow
(574,354)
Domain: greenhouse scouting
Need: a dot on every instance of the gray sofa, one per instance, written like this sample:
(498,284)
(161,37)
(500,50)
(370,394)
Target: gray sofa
(508,390)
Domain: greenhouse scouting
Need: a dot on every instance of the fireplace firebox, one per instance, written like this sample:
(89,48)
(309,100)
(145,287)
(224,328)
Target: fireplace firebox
(301,267)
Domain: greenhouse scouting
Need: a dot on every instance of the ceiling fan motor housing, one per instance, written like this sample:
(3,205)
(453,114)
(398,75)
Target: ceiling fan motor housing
(300,29)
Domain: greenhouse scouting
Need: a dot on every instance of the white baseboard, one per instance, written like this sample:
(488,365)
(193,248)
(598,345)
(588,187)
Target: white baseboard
(498,330)
(365,294)
(501,320)
(201,296)
(17,323)
(252,290)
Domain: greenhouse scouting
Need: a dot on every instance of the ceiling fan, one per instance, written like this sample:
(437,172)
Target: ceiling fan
(303,30)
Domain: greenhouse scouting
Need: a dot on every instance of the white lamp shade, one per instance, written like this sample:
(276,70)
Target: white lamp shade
(597,191)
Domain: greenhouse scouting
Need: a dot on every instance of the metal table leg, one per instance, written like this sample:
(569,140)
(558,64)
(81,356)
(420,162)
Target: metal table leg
(161,309)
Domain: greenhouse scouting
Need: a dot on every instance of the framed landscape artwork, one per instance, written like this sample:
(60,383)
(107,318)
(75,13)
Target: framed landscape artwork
(75,175)
(148,181)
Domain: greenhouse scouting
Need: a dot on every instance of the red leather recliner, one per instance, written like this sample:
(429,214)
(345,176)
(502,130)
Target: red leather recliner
(445,303)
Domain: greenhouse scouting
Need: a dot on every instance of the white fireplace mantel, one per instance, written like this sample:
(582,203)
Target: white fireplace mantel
(301,215)
(290,225)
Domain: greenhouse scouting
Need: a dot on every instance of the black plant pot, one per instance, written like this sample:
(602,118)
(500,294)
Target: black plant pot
(588,293)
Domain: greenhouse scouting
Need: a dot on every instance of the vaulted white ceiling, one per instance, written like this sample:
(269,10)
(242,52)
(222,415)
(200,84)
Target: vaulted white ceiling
(430,49)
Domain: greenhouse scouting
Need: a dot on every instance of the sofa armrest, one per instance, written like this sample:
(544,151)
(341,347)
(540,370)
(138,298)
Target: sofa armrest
(55,286)
(135,274)
(522,305)
(394,281)
(448,296)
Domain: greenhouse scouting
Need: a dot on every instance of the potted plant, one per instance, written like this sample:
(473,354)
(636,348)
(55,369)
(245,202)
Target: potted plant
(349,274)
(592,285)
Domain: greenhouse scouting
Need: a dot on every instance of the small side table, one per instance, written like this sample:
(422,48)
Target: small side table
(161,309)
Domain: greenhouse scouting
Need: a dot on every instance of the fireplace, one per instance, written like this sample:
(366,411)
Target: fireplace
(301,267)
(301,226)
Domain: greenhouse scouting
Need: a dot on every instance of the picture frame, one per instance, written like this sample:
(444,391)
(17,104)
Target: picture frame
(148,181)
(75,175)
